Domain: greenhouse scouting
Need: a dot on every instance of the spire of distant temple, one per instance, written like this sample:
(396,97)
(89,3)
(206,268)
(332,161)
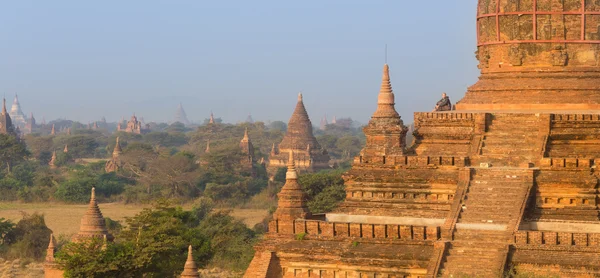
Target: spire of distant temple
(66,149)
(273,150)
(114,163)
(249,119)
(181,116)
(334,120)
(51,250)
(93,224)
(385,100)
(53,131)
(292,202)
(4,107)
(207,150)
(68,131)
(52,162)
(212,118)
(247,147)
(190,270)
(117,151)
(16,114)
(95,126)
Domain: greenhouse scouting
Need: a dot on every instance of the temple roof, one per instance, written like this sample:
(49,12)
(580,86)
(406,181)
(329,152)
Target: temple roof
(181,116)
(117,150)
(300,132)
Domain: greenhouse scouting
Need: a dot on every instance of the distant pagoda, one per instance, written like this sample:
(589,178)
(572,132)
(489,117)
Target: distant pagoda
(308,154)
(17,115)
(180,115)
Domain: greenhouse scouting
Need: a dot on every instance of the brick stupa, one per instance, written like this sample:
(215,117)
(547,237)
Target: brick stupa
(115,162)
(93,224)
(299,138)
(190,270)
(507,181)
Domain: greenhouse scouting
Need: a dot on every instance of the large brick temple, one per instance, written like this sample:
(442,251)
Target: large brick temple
(507,181)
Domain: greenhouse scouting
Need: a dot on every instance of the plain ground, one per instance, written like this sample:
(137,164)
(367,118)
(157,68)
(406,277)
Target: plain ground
(65,218)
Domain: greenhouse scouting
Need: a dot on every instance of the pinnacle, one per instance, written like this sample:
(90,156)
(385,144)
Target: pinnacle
(4,106)
(117,150)
(291,172)
(385,99)
(190,269)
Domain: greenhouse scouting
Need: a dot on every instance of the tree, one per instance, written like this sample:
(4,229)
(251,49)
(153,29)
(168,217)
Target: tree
(12,151)
(278,125)
(6,226)
(29,238)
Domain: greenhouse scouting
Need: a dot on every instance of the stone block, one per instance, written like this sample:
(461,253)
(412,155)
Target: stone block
(273,226)
(312,227)
(432,233)
(406,232)
(355,230)
(485,165)
(565,238)
(326,229)
(418,233)
(571,162)
(380,231)
(594,239)
(550,238)
(580,239)
(584,163)
(558,162)
(447,161)
(393,231)
(535,238)
(521,238)
(299,226)
(341,229)
(368,230)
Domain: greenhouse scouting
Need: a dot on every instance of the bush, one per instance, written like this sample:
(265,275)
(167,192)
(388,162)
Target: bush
(29,238)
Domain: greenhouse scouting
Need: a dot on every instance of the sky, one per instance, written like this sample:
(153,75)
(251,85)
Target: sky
(84,60)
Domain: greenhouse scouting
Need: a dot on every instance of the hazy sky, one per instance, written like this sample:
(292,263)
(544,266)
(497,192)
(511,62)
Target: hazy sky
(86,59)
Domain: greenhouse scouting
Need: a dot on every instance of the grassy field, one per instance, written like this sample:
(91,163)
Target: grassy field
(65,219)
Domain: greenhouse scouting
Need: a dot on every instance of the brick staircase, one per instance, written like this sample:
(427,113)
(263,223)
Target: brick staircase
(495,196)
(493,207)
(511,140)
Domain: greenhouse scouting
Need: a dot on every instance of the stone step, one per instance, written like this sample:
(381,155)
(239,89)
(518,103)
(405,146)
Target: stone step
(478,236)
(490,195)
(510,139)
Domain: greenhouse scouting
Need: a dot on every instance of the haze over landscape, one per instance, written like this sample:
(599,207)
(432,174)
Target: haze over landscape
(84,60)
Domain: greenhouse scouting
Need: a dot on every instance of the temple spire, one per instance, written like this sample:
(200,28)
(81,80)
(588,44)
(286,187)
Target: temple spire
(207,150)
(53,131)
(93,224)
(52,162)
(190,270)
(385,100)
(292,202)
(51,249)
(117,150)
(66,149)
(4,106)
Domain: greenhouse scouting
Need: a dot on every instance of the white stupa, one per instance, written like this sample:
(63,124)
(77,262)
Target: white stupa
(16,114)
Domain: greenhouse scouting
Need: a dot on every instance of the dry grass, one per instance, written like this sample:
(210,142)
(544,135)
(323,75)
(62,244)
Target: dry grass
(65,218)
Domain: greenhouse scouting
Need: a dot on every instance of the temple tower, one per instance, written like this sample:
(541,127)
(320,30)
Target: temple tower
(386,133)
(6,126)
(181,116)
(16,114)
(246,146)
(190,270)
(114,163)
(52,162)
(541,55)
(299,138)
(292,203)
(53,130)
(92,224)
